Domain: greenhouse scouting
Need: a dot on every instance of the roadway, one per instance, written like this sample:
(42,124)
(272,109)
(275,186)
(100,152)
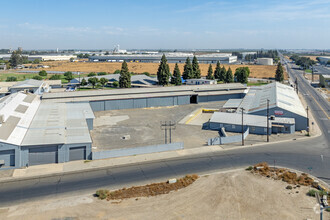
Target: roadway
(310,155)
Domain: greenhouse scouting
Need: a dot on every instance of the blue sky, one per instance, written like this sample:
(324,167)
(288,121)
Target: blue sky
(154,24)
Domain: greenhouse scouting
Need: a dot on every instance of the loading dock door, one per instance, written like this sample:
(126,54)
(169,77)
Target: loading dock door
(77,153)
(8,157)
(42,155)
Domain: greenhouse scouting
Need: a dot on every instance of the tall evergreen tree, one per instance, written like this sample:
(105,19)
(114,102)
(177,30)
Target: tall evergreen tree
(163,73)
(223,73)
(279,74)
(176,78)
(125,76)
(229,76)
(242,74)
(210,73)
(217,71)
(187,70)
(195,67)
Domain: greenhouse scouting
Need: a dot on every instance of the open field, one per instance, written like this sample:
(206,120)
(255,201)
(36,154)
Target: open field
(257,71)
(228,195)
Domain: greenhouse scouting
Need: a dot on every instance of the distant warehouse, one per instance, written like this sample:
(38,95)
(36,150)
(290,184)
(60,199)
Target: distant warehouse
(265,61)
(171,58)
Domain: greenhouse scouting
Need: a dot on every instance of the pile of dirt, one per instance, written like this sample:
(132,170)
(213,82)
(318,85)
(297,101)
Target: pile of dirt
(283,174)
(147,190)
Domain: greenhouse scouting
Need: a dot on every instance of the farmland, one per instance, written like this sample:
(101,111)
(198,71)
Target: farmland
(257,71)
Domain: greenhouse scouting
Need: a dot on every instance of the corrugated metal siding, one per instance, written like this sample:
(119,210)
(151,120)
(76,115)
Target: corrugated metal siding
(77,153)
(161,101)
(43,155)
(140,103)
(9,157)
(97,106)
(118,104)
(183,100)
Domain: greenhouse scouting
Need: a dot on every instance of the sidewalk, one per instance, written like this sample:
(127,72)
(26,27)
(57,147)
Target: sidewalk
(79,166)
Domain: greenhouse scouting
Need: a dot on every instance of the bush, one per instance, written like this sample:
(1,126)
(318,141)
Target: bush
(11,79)
(55,77)
(146,73)
(91,74)
(115,84)
(249,168)
(116,72)
(68,75)
(102,193)
(312,192)
(37,77)
(43,73)
(101,73)
(289,187)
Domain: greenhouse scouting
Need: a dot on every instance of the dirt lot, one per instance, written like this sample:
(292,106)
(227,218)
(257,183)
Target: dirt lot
(257,71)
(229,195)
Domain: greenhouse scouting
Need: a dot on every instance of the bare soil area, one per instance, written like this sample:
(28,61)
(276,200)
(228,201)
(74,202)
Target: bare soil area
(228,195)
(257,71)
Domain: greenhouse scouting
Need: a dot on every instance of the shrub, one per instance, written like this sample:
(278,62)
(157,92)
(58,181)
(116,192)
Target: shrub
(289,187)
(55,77)
(102,193)
(115,84)
(116,72)
(91,74)
(68,75)
(11,79)
(37,77)
(312,192)
(146,73)
(101,73)
(249,168)
(43,73)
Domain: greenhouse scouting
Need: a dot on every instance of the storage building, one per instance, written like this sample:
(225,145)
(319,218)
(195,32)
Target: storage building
(265,61)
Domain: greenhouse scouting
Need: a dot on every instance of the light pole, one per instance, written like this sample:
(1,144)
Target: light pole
(267,120)
(242,126)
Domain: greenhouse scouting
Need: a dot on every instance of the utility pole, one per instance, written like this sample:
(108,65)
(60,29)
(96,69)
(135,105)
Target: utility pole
(297,85)
(167,126)
(312,74)
(267,120)
(242,126)
(307,122)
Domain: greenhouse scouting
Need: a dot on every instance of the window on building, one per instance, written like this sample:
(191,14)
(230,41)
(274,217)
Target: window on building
(253,128)
(233,126)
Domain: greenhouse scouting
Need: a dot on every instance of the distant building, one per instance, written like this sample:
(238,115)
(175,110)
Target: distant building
(3,66)
(200,82)
(247,53)
(324,60)
(265,61)
(324,80)
(31,85)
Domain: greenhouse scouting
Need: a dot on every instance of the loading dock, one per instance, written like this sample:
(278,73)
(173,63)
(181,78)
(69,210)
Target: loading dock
(43,155)
(77,153)
(7,158)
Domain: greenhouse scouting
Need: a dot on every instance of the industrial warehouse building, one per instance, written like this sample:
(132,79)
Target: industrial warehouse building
(103,100)
(33,133)
(283,102)
(37,87)
(171,58)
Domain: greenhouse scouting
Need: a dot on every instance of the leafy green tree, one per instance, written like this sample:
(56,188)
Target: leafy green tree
(187,70)
(163,73)
(101,73)
(93,81)
(210,73)
(37,77)
(83,82)
(196,72)
(223,73)
(103,81)
(16,59)
(242,74)
(43,73)
(55,77)
(36,61)
(229,76)
(115,84)
(125,76)
(91,74)
(217,71)
(176,78)
(11,79)
(68,76)
(279,74)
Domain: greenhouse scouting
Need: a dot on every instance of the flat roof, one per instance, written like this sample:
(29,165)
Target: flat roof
(248,119)
(190,88)
(232,103)
(59,123)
